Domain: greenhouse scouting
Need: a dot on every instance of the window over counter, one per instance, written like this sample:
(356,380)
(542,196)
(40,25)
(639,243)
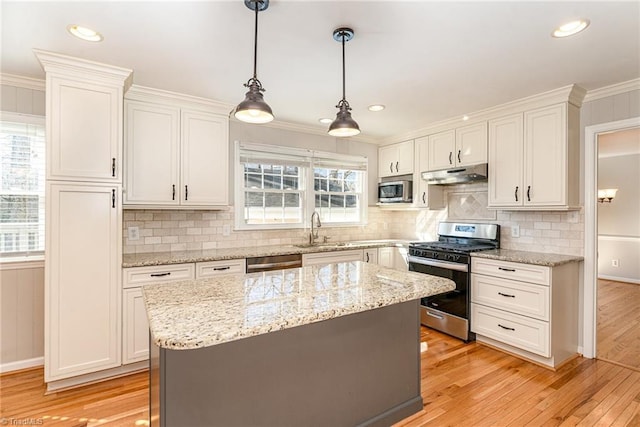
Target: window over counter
(22,184)
(280,187)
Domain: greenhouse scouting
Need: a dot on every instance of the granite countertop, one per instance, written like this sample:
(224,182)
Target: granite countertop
(525,257)
(204,312)
(164,258)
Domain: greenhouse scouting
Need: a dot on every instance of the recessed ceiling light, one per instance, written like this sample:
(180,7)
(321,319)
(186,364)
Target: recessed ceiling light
(465,118)
(85,33)
(325,121)
(570,28)
(376,107)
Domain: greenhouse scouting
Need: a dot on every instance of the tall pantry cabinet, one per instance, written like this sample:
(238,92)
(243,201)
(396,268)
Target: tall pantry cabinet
(84,119)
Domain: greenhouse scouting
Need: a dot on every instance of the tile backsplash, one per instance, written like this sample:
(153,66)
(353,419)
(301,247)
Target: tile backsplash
(173,230)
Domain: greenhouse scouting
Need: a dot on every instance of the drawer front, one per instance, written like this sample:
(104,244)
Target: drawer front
(512,270)
(138,276)
(219,268)
(331,257)
(523,332)
(522,298)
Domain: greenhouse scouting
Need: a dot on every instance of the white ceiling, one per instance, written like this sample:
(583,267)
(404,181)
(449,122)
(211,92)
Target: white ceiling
(426,61)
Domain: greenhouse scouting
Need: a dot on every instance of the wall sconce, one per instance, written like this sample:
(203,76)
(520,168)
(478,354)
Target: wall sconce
(607,195)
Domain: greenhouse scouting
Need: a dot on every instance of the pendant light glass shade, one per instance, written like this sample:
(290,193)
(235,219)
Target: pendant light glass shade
(254,109)
(343,125)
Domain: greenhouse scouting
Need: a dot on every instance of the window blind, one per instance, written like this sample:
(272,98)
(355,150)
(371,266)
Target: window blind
(22,185)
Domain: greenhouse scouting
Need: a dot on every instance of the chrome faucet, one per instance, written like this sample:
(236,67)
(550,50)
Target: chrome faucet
(314,231)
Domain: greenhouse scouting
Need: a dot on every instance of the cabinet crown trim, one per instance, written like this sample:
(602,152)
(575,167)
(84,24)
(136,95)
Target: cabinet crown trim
(84,69)
(153,95)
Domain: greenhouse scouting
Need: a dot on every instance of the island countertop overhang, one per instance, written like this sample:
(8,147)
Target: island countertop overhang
(200,313)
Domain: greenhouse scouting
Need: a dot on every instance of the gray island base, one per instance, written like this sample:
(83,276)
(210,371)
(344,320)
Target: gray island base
(342,350)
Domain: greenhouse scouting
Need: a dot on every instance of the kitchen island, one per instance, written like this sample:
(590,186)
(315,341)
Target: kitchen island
(334,344)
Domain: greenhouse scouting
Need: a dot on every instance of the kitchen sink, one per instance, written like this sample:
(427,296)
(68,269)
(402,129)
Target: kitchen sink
(355,243)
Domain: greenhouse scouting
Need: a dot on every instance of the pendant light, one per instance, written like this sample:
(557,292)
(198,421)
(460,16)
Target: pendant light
(253,109)
(343,125)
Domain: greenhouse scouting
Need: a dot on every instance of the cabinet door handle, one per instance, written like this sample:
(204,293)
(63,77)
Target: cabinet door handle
(367,256)
(113,198)
(459,154)
(397,170)
(186,192)
(160,274)
(424,197)
(516,193)
(391,167)
(221,268)
(506,269)
(173,192)
(506,327)
(506,295)
(113,166)
(450,157)
(528,193)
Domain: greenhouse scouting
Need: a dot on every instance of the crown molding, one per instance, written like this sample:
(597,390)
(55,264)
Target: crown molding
(148,94)
(57,63)
(612,90)
(572,94)
(309,129)
(22,82)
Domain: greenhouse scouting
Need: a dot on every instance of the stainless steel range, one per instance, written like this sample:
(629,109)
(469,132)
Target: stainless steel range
(449,257)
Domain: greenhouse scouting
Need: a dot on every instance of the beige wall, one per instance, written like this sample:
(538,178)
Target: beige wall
(21,285)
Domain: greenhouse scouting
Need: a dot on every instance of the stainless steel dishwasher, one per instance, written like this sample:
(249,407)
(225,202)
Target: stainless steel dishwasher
(273,262)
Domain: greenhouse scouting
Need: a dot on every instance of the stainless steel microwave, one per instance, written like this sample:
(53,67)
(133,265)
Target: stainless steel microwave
(395,192)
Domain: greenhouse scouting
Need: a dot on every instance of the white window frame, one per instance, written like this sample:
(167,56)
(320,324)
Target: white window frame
(28,254)
(308,192)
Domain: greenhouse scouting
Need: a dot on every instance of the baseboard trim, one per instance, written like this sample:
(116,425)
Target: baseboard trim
(21,364)
(619,279)
(95,377)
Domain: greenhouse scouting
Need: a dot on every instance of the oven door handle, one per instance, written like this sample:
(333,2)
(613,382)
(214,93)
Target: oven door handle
(442,264)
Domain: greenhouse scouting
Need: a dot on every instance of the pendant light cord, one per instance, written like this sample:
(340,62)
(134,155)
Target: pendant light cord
(343,72)
(255,41)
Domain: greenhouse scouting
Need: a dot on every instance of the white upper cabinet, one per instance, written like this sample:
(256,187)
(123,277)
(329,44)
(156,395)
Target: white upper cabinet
(84,118)
(395,159)
(152,144)
(425,195)
(205,162)
(533,159)
(177,151)
(463,146)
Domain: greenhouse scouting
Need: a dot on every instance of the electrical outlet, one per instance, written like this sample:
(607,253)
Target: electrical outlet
(226,230)
(133,233)
(515,231)
(615,263)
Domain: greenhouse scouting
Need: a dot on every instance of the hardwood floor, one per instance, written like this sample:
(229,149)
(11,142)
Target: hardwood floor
(618,323)
(462,385)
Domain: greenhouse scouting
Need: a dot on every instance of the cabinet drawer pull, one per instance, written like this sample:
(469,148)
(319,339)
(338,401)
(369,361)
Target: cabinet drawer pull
(459,153)
(424,197)
(506,327)
(506,295)
(528,193)
(221,268)
(186,192)
(173,192)
(516,193)
(437,316)
(113,166)
(450,157)
(506,269)
(367,256)
(160,274)
(113,198)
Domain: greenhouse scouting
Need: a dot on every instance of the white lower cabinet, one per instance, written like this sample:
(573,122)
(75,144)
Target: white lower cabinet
(370,255)
(82,276)
(528,310)
(331,257)
(219,268)
(135,334)
(393,257)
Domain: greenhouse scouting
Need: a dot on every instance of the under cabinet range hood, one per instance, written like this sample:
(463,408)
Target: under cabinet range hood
(460,175)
